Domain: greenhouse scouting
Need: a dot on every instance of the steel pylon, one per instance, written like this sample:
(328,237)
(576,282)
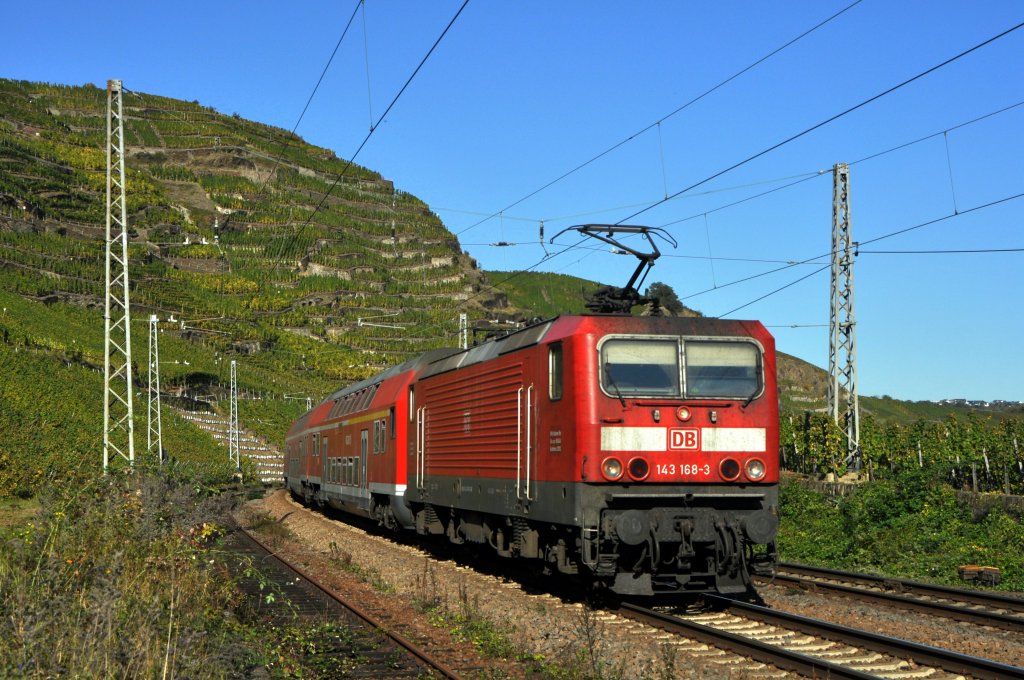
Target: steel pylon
(154,430)
(842,350)
(233,438)
(118,412)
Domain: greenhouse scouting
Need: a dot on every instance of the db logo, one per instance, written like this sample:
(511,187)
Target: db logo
(683,439)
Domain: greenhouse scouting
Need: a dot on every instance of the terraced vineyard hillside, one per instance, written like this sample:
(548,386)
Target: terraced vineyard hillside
(250,245)
(277,244)
(247,242)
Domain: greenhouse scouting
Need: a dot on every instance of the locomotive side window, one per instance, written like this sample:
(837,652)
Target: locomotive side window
(722,369)
(555,372)
(635,366)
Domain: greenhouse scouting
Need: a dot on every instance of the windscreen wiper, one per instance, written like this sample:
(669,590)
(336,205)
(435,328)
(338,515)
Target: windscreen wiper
(611,381)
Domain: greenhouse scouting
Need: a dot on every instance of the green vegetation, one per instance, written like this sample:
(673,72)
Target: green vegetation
(118,577)
(911,525)
(544,294)
(264,252)
(463,619)
(310,651)
(343,560)
(965,451)
(263,248)
(126,576)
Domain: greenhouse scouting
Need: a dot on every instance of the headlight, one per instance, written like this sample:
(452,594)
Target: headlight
(611,468)
(729,468)
(755,469)
(683,413)
(639,469)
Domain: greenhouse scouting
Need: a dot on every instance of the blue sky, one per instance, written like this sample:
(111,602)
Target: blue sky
(518,93)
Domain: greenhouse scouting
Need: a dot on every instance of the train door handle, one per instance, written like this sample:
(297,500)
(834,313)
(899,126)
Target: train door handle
(529,438)
(519,442)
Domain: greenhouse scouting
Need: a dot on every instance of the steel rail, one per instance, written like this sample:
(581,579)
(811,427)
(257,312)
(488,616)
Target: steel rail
(923,654)
(777,656)
(364,616)
(951,611)
(994,600)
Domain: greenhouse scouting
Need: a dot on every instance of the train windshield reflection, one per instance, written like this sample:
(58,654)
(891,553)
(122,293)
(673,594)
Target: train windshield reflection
(651,368)
(722,369)
(640,367)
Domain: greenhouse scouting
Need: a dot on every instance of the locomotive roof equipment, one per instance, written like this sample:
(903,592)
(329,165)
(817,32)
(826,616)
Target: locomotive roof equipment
(612,300)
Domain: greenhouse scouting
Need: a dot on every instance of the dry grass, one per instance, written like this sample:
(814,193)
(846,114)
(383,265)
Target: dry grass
(16,511)
(117,580)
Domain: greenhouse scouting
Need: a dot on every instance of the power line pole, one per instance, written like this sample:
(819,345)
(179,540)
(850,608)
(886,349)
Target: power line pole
(842,349)
(154,433)
(233,451)
(118,413)
(464,330)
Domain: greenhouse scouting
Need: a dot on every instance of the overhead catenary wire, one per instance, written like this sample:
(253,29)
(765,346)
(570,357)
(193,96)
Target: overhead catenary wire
(366,55)
(869,157)
(788,265)
(827,121)
(663,118)
(796,325)
(878,154)
(949,166)
(862,243)
(990,204)
(316,88)
(547,258)
(984,206)
(348,164)
(777,290)
(635,204)
(941,252)
(809,176)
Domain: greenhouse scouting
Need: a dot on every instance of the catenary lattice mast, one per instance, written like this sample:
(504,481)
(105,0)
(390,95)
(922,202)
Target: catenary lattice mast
(842,349)
(154,431)
(118,413)
(233,438)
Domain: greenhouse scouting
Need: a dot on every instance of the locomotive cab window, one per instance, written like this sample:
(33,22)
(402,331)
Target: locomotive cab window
(640,367)
(722,369)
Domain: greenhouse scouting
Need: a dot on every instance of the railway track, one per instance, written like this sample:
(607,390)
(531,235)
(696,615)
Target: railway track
(740,636)
(989,609)
(816,648)
(371,650)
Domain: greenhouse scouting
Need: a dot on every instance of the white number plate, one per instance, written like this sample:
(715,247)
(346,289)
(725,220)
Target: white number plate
(683,469)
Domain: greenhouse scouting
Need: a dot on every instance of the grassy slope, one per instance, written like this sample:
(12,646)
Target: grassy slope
(912,526)
(545,295)
(278,286)
(51,401)
(280,290)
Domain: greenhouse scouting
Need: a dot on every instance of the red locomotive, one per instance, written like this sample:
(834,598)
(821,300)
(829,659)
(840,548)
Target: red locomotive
(639,452)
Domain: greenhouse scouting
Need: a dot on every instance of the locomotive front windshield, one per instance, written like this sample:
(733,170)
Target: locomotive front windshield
(670,367)
(722,369)
(635,367)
